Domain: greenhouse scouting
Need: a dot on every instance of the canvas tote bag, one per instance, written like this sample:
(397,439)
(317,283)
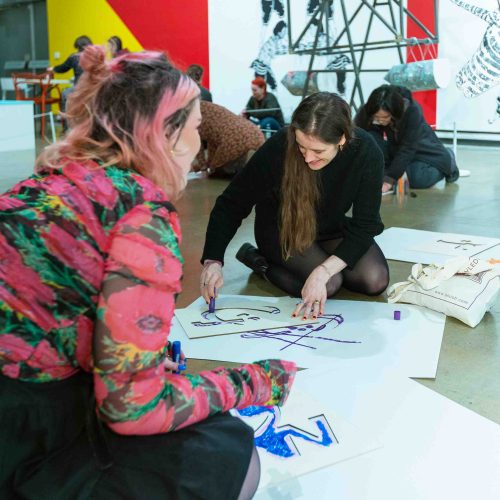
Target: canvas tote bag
(463,287)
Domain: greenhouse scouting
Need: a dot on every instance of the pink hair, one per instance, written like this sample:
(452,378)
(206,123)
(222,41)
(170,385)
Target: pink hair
(127,112)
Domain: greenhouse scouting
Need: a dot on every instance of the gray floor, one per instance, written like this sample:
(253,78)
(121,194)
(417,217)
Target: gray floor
(469,365)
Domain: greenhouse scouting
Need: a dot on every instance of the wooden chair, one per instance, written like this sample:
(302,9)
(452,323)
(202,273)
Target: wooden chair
(41,95)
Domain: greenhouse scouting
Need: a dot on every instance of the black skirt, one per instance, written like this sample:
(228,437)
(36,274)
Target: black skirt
(52,446)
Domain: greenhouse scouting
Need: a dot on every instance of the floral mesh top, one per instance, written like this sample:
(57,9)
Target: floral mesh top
(89,271)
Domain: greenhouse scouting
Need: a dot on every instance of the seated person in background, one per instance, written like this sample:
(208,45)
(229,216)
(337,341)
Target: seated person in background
(228,140)
(409,144)
(195,71)
(263,107)
(303,181)
(90,271)
(115,46)
(71,63)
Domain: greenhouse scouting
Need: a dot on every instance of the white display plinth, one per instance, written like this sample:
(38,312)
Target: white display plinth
(17,126)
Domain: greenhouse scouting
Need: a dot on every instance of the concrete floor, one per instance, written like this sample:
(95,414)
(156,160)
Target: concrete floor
(469,365)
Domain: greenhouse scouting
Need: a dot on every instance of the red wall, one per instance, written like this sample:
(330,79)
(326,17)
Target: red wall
(423,10)
(180,28)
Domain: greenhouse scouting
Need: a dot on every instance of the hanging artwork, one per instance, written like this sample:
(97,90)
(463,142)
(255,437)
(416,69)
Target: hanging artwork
(300,437)
(349,333)
(420,75)
(482,71)
(234,314)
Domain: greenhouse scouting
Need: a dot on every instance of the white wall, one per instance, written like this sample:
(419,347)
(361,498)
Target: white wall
(236,33)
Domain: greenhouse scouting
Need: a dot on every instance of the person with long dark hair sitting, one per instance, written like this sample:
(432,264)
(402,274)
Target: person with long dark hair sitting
(409,144)
(303,182)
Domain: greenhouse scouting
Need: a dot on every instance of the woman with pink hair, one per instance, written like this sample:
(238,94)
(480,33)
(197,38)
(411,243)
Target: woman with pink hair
(89,271)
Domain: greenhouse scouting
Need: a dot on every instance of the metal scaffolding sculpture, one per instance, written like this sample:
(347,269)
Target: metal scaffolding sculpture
(345,43)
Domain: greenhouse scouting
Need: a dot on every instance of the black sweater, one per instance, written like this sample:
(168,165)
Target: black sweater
(353,179)
(414,140)
(72,62)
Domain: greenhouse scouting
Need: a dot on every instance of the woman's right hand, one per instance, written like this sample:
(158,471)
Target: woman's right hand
(386,186)
(211,279)
(282,374)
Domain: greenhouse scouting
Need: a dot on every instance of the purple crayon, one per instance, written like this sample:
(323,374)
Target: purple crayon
(211,305)
(397,315)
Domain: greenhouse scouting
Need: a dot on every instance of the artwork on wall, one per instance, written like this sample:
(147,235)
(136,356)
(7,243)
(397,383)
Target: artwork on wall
(300,437)
(428,247)
(474,54)
(234,314)
(349,333)
(482,70)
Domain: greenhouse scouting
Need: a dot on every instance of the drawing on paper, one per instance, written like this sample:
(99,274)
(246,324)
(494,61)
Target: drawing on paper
(237,315)
(455,244)
(233,316)
(285,440)
(297,335)
(462,244)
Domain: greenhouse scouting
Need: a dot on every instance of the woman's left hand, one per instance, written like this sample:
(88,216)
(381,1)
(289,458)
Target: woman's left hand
(170,364)
(313,295)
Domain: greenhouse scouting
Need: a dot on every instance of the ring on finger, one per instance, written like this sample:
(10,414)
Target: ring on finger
(316,302)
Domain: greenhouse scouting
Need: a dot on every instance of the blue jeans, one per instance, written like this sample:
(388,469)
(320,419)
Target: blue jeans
(421,175)
(269,125)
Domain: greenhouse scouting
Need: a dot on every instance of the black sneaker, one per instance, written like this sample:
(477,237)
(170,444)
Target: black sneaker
(251,257)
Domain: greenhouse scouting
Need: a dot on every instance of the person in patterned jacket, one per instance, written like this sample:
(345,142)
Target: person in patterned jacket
(90,268)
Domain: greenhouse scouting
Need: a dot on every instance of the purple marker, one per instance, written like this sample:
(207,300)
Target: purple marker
(211,305)
(397,315)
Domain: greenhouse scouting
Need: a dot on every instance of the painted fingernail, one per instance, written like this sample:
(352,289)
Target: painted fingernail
(314,317)
(304,317)
(294,315)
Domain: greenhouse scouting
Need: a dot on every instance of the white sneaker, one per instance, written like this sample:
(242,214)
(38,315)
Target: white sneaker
(463,172)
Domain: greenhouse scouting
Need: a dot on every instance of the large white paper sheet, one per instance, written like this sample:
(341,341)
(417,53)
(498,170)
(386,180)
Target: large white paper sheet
(302,436)
(361,334)
(428,247)
(433,448)
(237,313)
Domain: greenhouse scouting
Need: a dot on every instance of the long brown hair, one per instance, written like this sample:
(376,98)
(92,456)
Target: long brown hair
(327,117)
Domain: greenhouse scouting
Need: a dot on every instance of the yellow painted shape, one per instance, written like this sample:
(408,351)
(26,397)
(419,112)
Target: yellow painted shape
(494,261)
(67,20)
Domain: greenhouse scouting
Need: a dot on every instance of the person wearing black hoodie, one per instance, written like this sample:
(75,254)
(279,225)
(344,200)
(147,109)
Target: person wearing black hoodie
(409,144)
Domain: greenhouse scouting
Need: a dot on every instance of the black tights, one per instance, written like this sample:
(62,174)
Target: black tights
(369,276)
(252,478)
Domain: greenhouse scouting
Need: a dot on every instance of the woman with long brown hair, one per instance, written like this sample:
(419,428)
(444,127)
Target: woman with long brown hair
(303,181)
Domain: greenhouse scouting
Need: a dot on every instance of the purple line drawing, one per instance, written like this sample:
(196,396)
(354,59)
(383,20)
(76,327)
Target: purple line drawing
(293,335)
(280,440)
(214,319)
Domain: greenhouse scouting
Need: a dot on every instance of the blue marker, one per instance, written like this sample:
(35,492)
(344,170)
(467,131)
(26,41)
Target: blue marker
(211,306)
(176,354)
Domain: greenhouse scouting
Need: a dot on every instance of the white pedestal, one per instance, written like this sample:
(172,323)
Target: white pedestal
(17,142)
(17,127)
